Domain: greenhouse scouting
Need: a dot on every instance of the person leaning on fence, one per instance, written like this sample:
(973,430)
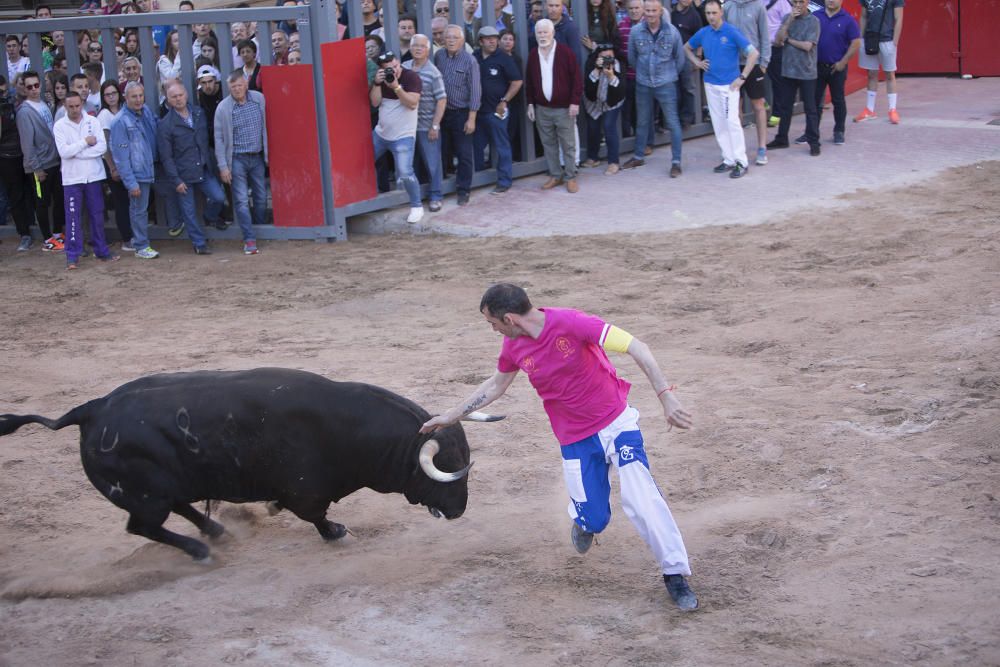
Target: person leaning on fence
(657,53)
(553,90)
(81,145)
(133,147)
(462,84)
(406,28)
(799,34)
(247,50)
(41,161)
(501,80)
(12,177)
(396,92)
(241,154)
(182,144)
(603,97)
(279,47)
(722,45)
(433,102)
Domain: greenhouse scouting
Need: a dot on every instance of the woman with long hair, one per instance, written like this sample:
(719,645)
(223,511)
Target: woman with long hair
(602,27)
(58,83)
(169,65)
(210,51)
(111,104)
(131,43)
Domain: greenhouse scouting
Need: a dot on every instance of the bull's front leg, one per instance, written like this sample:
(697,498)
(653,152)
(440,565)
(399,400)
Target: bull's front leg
(330,530)
(314,511)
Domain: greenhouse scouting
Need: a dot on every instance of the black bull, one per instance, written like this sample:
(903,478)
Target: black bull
(157,444)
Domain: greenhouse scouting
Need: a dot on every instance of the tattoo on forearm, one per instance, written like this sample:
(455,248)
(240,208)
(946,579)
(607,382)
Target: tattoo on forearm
(474,403)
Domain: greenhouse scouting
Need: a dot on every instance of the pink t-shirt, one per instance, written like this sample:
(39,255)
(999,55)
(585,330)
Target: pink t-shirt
(567,366)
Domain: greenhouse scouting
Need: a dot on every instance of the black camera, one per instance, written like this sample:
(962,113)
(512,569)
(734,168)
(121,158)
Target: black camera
(389,73)
(604,61)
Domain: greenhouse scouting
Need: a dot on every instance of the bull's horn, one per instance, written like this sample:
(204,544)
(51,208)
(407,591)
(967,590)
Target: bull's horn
(482,417)
(427,452)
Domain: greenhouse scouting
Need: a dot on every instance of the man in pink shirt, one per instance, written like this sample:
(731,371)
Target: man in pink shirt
(562,352)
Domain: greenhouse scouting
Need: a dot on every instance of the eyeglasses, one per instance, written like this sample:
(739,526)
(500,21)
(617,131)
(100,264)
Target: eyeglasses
(441,10)
(32,86)
(93,49)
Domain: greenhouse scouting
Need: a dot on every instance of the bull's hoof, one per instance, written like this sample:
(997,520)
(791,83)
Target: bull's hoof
(331,531)
(213,529)
(199,552)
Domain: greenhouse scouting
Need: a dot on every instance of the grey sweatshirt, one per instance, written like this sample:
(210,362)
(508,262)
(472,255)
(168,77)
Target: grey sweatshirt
(750,18)
(37,142)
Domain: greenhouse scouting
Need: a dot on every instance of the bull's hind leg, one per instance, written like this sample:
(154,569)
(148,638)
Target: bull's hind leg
(205,525)
(315,513)
(157,533)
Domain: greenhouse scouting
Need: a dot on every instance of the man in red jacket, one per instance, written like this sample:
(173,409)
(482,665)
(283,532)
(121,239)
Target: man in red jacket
(554,87)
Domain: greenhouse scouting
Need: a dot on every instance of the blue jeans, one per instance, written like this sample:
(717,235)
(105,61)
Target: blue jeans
(493,131)
(248,170)
(402,155)
(430,155)
(607,124)
(666,95)
(211,190)
(138,215)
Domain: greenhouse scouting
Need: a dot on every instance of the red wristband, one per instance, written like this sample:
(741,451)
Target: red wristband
(663,391)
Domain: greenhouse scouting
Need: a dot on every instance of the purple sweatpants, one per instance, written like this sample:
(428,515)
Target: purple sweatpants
(73,198)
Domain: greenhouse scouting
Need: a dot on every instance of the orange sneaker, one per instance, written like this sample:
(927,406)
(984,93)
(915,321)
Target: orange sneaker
(893,116)
(865,115)
(53,244)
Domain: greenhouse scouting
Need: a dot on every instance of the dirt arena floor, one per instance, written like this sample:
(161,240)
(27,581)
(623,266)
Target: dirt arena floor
(838,494)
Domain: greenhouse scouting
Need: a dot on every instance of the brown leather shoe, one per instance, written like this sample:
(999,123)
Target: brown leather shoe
(551,183)
(571,186)
(632,163)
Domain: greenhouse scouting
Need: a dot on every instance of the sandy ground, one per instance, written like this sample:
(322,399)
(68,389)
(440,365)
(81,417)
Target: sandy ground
(838,494)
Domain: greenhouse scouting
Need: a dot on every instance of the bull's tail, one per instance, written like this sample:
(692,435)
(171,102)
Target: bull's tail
(10,423)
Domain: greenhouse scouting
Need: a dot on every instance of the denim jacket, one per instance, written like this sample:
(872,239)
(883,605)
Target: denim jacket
(133,146)
(656,62)
(183,149)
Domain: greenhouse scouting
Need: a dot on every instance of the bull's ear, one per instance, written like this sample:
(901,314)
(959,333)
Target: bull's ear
(482,417)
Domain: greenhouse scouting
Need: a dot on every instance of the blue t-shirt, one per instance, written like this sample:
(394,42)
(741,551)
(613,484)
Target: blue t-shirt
(495,74)
(722,51)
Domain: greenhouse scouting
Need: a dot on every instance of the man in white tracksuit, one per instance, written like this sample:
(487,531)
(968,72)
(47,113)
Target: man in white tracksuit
(722,45)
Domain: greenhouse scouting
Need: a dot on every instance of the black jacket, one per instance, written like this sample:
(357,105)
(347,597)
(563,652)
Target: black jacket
(183,150)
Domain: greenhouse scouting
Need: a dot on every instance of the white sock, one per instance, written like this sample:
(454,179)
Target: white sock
(892,101)
(871,100)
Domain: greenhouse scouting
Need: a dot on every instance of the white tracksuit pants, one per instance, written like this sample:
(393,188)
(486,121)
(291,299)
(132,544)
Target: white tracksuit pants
(724,106)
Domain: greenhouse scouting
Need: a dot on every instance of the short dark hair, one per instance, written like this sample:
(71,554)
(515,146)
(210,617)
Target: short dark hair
(73,93)
(244,43)
(93,69)
(41,7)
(504,298)
(29,74)
(77,77)
(710,2)
(407,17)
(185,2)
(12,38)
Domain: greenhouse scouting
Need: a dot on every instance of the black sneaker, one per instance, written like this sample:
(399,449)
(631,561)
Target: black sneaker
(838,138)
(777,143)
(680,592)
(202,250)
(499,190)
(814,150)
(739,171)
(581,538)
(463,198)
(723,168)
(802,140)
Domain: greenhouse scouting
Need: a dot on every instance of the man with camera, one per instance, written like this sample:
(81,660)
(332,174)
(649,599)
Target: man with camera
(501,80)
(657,53)
(395,92)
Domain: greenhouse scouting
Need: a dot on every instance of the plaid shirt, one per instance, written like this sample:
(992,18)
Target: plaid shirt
(248,128)
(461,79)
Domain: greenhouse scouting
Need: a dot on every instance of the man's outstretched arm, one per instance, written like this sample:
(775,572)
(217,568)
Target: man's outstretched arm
(490,390)
(672,408)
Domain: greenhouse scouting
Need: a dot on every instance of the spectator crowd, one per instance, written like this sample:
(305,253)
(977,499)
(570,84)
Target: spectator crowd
(451,101)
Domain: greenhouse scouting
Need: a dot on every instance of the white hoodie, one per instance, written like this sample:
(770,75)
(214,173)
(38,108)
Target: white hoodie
(80,163)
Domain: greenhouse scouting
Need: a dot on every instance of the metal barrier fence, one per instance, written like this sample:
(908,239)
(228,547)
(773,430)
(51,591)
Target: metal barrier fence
(317,24)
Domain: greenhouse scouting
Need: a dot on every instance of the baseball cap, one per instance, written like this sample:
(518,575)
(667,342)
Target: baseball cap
(208,70)
(488,31)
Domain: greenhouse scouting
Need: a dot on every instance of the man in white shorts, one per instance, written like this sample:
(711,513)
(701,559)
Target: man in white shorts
(881,21)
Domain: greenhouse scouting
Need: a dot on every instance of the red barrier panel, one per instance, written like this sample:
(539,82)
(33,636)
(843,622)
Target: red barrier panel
(345,81)
(979,55)
(293,150)
(929,42)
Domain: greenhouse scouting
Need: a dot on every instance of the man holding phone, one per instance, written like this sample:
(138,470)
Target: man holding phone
(501,80)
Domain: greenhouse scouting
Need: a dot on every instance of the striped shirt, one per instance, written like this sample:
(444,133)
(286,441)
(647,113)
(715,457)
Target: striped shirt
(461,79)
(248,128)
(432,90)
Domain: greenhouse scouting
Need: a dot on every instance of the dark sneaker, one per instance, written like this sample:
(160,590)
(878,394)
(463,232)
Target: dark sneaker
(777,143)
(838,138)
(434,206)
(680,592)
(739,171)
(581,539)
(675,170)
(202,250)
(499,190)
(814,150)
(463,198)
(632,163)
(723,168)
(802,140)
(25,244)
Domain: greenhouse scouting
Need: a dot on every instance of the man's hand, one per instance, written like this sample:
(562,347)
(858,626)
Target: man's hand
(435,423)
(531,112)
(702,64)
(501,107)
(587,42)
(135,193)
(736,84)
(40,175)
(182,189)
(574,109)
(226,176)
(839,66)
(433,134)
(379,77)
(115,176)
(470,125)
(91,140)
(674,411)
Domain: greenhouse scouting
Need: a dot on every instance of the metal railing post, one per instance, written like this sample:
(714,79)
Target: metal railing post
(322,28)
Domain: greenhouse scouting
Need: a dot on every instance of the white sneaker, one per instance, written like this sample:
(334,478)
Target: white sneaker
(416,214)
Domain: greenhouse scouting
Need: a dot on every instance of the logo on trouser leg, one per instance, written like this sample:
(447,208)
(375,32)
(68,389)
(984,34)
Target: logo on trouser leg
(629,447)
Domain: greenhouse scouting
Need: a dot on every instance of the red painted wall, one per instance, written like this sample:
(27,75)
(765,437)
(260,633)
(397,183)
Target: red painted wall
(929,43)
(979,21)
